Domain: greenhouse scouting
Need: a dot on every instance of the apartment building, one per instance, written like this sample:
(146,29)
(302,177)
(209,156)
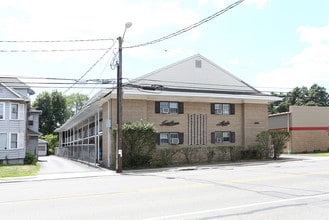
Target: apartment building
(193,102)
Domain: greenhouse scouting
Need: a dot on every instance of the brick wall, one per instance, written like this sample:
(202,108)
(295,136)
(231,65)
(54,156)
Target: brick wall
(247,122)
(309,141)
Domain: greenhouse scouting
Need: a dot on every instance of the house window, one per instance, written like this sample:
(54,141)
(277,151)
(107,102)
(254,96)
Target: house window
(30,119)
(14,111)
(173,138)
(2,110)
(3,141)
(220,137)
(169,107)
(222,109)
(13,141)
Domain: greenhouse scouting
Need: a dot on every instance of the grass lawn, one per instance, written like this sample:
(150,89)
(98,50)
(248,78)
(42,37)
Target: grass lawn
(19,170)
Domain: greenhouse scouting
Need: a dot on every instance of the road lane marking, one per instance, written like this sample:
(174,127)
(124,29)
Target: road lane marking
(75,196)
(186,214)
(165,188)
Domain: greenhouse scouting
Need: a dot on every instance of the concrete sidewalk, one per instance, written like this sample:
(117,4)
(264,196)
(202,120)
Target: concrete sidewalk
(53,167)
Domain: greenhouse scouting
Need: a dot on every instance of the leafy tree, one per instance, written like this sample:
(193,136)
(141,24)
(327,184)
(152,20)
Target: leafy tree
(54,111)
(75,102)
(57,108)
(314,96)
(273,142)
(279,139)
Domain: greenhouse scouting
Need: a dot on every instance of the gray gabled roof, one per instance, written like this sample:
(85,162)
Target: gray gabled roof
(196,74)
(14,85)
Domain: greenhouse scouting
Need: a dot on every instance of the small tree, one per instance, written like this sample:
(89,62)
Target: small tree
(279,140)
(264,148)
(138,144)
(273,142)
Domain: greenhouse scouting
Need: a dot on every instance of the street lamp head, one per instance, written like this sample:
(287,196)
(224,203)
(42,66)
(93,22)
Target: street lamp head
(128,25)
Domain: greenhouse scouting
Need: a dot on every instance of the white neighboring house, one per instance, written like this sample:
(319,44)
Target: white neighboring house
(16,135)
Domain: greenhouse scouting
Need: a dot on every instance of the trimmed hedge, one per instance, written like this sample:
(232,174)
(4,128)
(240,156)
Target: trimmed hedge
(170,156)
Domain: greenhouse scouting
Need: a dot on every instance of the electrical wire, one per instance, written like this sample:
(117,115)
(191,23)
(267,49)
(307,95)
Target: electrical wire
(55,41)
(52,50)
(92,66)
(187,28)
(134,83)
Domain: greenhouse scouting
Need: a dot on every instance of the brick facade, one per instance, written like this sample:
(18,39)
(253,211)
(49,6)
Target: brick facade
(308,127)
(196,123)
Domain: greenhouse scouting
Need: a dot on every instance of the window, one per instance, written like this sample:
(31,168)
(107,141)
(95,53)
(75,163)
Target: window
(198,64)
(30,119)
(220,137)
(3,141)
(222,109)
(2,110)
(173,138)
(14,111)
(169,107)
(13,141)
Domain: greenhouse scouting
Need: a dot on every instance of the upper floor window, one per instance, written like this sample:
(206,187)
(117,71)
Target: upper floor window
(2,110)
(219,137)
(222,109)
(169,107)
(14,111)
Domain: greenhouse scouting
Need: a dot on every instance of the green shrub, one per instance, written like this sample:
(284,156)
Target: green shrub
(138,144)
(30,159)
(163,157)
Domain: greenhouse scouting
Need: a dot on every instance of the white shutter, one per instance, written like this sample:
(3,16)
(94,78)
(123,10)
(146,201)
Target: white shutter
(21,112)
(20,140)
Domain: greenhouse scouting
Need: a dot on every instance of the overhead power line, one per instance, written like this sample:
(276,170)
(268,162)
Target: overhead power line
(52,50)
(189,27)
(55,41)
(92,66)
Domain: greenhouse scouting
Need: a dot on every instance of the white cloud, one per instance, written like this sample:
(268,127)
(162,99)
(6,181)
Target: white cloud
(310,66)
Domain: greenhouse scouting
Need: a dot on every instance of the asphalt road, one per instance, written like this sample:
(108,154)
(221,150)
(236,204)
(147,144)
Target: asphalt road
(296,188)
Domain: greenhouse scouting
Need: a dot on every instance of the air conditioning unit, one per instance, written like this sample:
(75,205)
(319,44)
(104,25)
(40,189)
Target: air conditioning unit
(174,141)
(219,140)
(218,112)
(165,110)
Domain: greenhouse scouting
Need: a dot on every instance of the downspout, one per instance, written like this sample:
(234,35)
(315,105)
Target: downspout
(288,129)
(108,135)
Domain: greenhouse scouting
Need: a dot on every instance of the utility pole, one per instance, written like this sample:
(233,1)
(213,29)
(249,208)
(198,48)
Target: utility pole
(119,100)
(119,107)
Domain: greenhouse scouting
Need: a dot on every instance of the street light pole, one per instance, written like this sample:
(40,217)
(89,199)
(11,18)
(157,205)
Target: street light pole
(119,99)
(119,107)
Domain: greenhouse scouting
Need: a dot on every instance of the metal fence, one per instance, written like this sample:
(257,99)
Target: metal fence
(82,153)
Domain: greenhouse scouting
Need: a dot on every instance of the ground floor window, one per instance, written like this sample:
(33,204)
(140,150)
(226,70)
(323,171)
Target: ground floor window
(219,137)
(165,138)
(8,141)
(13,141)
(3,141)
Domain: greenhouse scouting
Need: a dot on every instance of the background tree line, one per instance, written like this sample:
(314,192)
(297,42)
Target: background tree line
(56,110)
(313,96)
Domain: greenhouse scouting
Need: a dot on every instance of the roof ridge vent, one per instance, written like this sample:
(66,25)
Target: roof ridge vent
(198,63)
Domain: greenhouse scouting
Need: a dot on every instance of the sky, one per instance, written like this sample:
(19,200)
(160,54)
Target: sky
(273,45)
